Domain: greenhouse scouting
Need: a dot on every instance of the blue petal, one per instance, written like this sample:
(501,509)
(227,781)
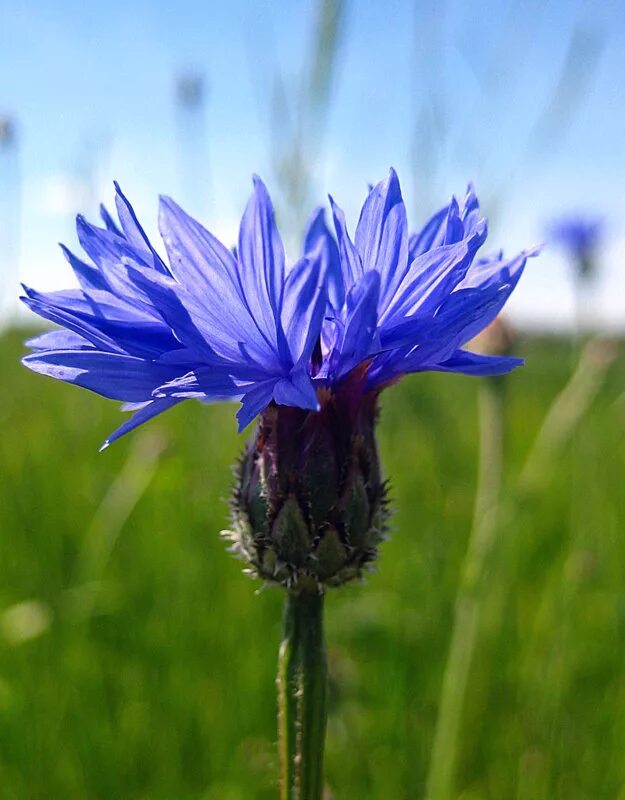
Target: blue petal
(450,224)
(389,366)
(186,319)
(202,324)
(351,265)
(204,382)
(254,402)
(198,259)
(484,271)
(261,262)
(114,307)
(431,235)
(94,302)
(441,283)
(109,222)
(426,272)
(142,339)
(382,236)
(297,390)
(207,269)
(459,317)
(469,363)
(495,269)
(68,320)
(474,309)
(145,413)
(463,315)
(131,330)
(113,375)
(432,276)
(88,276)
(123,290)
(304,307)
(59,340)
(454,228)
(133,231)
(102,245)
(71,300)
(360,326)
(471,216)
(318,239)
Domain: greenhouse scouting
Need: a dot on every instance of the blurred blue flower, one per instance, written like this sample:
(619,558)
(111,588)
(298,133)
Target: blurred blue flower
(579,236)
(577,233)
(211,325)
(408,303)
(206,326)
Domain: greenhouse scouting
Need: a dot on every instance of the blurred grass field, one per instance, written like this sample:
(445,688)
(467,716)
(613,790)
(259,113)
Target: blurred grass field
(137,662)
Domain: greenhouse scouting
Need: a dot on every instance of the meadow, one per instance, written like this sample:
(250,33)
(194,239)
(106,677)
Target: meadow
(136,661)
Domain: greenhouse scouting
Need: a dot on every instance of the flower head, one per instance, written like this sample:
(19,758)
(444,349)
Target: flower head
(325,336)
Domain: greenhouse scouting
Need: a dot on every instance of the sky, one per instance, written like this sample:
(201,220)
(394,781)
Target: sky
(525,98)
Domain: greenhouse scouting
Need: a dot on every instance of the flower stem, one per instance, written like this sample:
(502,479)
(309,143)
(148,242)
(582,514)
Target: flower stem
(302,692)
(471,593)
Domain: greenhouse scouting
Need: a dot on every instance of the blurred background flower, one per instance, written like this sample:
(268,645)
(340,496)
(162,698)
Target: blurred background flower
(580,237)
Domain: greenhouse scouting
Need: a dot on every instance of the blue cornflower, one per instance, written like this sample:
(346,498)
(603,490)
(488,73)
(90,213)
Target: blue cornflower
(577,233)
(204,325)
(580,236)
(325,336)
(405,303)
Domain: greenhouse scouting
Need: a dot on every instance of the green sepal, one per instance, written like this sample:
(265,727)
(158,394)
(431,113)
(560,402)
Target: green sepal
(330,554)
(356,511)
(289,533)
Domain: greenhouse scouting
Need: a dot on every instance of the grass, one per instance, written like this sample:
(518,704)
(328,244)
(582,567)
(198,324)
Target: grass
(137,662)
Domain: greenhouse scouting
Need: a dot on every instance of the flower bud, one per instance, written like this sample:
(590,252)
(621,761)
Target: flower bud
(310,507)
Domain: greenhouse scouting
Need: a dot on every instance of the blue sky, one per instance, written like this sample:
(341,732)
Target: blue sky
(91,86)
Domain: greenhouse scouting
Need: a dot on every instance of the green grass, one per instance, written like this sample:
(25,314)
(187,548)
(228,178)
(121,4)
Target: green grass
(143,664)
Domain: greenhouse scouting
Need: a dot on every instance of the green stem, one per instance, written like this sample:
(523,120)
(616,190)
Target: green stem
(471,594)
(302,691)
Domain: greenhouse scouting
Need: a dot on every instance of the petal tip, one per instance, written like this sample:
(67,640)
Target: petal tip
(260,188)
